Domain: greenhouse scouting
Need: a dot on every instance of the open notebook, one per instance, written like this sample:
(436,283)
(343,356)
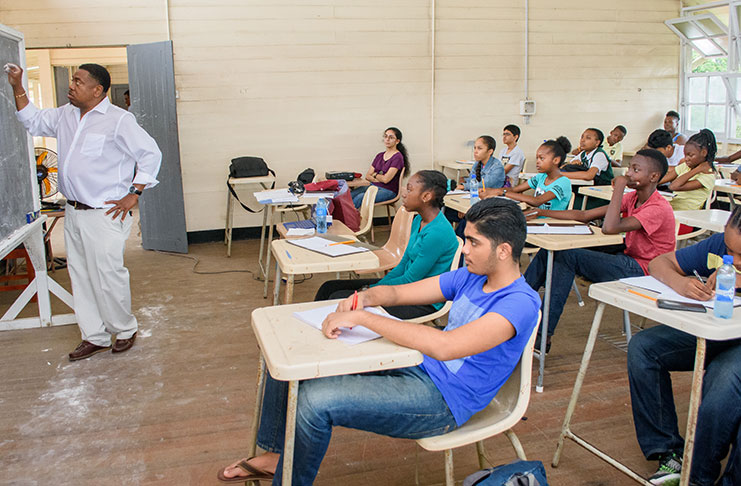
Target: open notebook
(356,335)
(327,246)
(665,292)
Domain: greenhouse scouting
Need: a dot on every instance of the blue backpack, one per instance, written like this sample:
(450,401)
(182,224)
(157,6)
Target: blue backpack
(518,473)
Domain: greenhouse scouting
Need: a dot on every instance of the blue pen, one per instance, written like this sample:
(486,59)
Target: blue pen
(289,256)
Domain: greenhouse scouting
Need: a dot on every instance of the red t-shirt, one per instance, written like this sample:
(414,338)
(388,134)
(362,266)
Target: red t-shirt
(656,235)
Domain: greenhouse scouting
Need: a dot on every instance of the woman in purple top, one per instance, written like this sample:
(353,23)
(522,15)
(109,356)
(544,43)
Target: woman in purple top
(385,171)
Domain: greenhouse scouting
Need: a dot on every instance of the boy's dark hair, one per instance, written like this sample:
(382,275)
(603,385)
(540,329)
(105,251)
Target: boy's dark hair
(126,92)
(734,221)
(98,73)
(598,132)
(559,147)
(514,130)
(705,139)
(672,114)
(500,221)
(657,159)
(622,129)
(659,139)
(435,181)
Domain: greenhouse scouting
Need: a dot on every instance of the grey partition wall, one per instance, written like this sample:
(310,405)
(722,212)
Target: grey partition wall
(152,92)
(17,196)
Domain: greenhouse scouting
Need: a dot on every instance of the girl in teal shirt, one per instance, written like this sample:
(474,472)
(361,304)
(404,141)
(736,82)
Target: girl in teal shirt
(430,251)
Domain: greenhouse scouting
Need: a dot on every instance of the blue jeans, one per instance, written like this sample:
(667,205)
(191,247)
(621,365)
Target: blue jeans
(593,265)
(383,194)
(400,403)
(652,354)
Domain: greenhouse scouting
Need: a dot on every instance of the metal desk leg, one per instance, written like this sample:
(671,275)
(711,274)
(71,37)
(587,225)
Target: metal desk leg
(566,428)
(290,433)
(544,323)
(269,253)
(229,224)
(262,239)
(258,411)
(276,287)
(695,398)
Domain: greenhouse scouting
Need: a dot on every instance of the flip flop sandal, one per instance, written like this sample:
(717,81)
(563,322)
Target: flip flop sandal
(253,474)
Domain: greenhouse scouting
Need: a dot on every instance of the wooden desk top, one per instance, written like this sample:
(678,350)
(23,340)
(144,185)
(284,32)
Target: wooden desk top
(710,219)
(295,351)
(458,164)
(252,180)
(336,228)
(457,203)
(605,192)
(302,260)
(570,242)
(727,186)
(701,325)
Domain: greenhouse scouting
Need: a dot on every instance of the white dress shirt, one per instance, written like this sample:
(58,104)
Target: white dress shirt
(98,153)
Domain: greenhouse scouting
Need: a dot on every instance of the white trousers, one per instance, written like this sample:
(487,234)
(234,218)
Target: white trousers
(95,246)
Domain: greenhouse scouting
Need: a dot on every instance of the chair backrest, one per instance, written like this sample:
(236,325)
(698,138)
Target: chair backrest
(401,183)
(366,210)
(571,201)
(401,230)
(457,258)
(515,393)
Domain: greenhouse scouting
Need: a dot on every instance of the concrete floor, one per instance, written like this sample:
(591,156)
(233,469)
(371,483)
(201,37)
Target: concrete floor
(178,406)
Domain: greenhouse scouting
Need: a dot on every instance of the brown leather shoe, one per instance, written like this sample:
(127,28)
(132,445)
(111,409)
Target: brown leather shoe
(122,345)
(86,349)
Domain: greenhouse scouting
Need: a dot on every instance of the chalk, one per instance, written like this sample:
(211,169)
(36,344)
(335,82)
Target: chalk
(10,67)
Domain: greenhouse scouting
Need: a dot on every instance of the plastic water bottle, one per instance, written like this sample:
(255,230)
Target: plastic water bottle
(725,289)
(321,216)
(473,189)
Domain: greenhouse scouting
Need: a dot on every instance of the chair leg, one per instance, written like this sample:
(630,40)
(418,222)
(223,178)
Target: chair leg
(575,288)
(626,327)
(516,444)
(388,213)
(373,234)
(449,479)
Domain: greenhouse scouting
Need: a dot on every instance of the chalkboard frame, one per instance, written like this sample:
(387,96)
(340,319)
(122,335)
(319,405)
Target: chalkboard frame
(32,187)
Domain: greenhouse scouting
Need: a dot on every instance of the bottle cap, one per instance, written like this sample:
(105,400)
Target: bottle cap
(727,259)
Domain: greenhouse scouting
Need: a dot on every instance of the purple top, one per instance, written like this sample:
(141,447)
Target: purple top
(382,166)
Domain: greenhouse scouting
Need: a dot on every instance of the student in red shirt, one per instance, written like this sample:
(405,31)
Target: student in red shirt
(643,215)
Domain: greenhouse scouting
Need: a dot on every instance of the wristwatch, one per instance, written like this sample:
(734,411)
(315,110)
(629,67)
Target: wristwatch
(134,190)
(504,192)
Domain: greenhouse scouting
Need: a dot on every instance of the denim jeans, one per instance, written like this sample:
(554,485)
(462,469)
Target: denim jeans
(652,354)
(400,403)
(593,265)
(383,194)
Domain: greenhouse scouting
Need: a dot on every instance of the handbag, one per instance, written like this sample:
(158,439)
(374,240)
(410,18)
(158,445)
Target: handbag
(242,167)
(518,473)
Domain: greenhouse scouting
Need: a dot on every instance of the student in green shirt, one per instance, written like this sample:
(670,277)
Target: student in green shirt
(430,251)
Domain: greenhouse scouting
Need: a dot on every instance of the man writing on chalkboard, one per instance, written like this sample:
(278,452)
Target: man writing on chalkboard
(100,146)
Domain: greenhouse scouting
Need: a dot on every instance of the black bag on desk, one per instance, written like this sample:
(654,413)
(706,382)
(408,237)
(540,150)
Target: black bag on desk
(247,167)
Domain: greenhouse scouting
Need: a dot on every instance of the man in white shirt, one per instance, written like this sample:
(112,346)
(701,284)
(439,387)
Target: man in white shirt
(101,148)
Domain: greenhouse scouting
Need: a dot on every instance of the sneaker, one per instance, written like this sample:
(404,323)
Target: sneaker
(670,469)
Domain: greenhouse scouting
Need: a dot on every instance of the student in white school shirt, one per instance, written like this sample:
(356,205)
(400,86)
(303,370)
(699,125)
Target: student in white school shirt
(100,146)
(511,155)
(661,140)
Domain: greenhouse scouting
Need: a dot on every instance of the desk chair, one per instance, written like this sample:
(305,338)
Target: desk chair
(366,212)
(445,308)
(390,202)
(390,254)
(501,415)
(699,232)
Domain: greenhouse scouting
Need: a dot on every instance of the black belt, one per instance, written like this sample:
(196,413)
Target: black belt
(79,205)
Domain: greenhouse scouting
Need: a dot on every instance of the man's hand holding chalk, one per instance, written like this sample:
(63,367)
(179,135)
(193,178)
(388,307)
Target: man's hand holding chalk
(15,78)
(10,67)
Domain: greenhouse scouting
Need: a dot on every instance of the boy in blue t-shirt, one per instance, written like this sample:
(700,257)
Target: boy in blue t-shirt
(493,315)
(653,353)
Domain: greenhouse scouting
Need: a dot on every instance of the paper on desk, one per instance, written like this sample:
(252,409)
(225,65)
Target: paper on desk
(665,292)
(456,192)
(326,246)
(300,232)
(275,196)
(724,182)
(356,335)
(546,229)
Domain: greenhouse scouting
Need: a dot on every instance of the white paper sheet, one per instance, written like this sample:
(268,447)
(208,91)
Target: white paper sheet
(356,335)
(326,246)
(546,229)
(300,232)
(665,292)
(455,192)
(275,196)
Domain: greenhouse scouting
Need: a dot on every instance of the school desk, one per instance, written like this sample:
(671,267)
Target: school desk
(605,193)
(337,228)
(291,260)
(702,326)
(294,351)
(457,166)
(264,181)
(730,188)
(525,176)
(458,203)
(707,219)
(552,243)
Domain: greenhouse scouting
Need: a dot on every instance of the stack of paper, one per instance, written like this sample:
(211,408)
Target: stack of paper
(275,196)
(665,292)
(356,335)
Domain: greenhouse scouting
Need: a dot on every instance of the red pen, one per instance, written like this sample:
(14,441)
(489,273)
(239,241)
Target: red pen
(355,301)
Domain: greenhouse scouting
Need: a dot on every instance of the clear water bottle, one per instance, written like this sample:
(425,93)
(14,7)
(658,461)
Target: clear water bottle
(473,189)
(321,215)
(725,289)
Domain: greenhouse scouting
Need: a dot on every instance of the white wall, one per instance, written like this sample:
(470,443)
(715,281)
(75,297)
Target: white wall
(314,84)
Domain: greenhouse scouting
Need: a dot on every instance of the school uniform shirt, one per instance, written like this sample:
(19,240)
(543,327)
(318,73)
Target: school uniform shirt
(382,166)
(656,235)
(561,187)
(598,160)
(492,173)
(677,155)
(469,384)
(615,152)
(98,153)
(695,257)
(696,198)
(517,158)
(430,252)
